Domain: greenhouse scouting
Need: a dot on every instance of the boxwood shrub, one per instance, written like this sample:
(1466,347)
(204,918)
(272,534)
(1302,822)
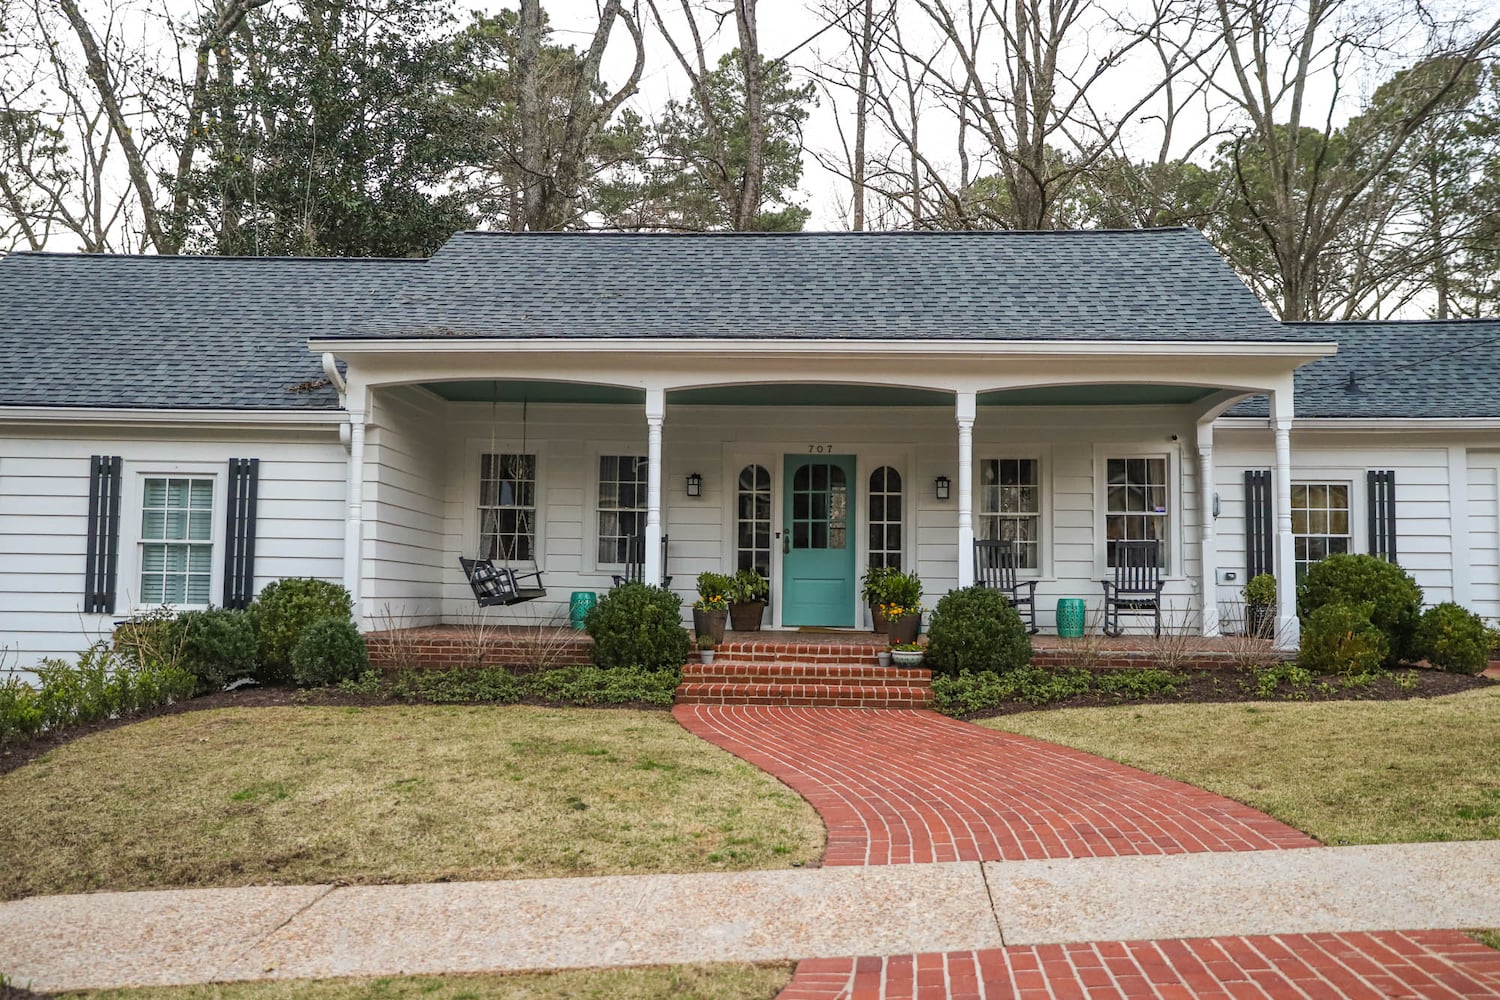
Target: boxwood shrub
(1453,638)
(216,646)
(976,629)
(283,611)
(1395,599)
(636,625)
(330,651)
(1341,639)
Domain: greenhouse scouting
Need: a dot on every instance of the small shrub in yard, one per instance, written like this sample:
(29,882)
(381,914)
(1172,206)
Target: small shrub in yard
(1453,638)
(594,686)
(1395,598)
(1341,639)
(635,625)
(102,684)
(976,629)
(216,646)
(444,687)
(329,652)
(283,611)
(20,710)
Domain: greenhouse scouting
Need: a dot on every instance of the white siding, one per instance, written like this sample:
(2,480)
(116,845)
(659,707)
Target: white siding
(406,520)
(1484,533)
(44,488)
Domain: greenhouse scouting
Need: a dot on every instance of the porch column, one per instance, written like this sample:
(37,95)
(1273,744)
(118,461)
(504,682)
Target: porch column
(966,407)
(656,412)
(354,516)
(1288,628)
(1208,544)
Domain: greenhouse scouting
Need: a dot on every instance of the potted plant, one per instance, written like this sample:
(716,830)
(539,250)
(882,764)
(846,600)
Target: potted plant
(706,646)
(883,657)
(747,593)
(712,606)
(907,654)
(902,606)
(1260,606)
(872,590)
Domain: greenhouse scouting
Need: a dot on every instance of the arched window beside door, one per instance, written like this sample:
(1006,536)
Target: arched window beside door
(753,520)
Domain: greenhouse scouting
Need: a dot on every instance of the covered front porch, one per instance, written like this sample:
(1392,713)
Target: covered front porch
(807,463)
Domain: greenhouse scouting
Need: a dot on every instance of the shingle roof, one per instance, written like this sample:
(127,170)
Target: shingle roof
(1158,284)
(1401,368)
(177,332)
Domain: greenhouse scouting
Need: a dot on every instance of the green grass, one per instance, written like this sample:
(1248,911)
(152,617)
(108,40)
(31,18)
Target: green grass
(1346,772)
(683,982)
(390,794)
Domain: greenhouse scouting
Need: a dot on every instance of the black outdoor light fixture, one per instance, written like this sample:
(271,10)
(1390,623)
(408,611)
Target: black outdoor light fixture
(695,485)
(942,487)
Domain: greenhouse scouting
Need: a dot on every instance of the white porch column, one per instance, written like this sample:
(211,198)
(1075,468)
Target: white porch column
(1288,629)
(966,406)
(1208,544)
(656,412)
(354,516)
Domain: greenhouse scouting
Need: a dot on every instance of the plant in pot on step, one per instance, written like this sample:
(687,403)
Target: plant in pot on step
(902,607)
(748,592)
(712,606)
(872,591)
(907,654)
(706,646)
(1260,606)
(883,657)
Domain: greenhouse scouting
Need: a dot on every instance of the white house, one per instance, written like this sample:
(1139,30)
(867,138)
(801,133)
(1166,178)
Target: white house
(187,429)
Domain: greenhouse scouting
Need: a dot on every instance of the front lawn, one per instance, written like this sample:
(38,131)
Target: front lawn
(726,981)
(1348,772)
(389,794)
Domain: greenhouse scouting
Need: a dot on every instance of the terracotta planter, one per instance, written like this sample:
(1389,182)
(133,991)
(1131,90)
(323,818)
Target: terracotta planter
(745,616)
(710,623)
(904,629)
(881,625)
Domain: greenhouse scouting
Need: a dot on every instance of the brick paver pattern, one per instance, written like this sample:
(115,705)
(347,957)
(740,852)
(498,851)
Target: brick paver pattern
(1419,965)
(899,787)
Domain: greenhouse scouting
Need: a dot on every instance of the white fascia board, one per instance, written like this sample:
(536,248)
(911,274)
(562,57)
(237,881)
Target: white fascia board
(733,347)
(1368,424)
(128,416)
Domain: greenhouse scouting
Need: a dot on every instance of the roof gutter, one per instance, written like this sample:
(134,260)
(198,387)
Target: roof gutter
(1367,423)
(140,417)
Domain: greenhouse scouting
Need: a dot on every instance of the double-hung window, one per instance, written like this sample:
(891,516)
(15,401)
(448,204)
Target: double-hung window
(1135,502)
(1010,505)
(622,506)
(507,507)
(1320,521)
(177,552)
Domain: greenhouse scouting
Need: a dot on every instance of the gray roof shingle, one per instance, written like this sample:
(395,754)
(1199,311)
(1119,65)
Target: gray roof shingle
(178,332)
(1158,284)
(1402,368)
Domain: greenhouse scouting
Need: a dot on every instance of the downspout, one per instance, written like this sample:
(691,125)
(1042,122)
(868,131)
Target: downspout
(352,437)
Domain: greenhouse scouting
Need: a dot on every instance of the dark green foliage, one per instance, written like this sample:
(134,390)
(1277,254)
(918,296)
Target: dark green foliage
(216,646)
(1453,638)
(976,629)
(969,692)
(594,686)
(635,625)
(478,684)
(1260,592)
(330,651)
(747,585)
(102,684)
(903,590)
(1395,598)
(1342,639)
(283,611)
(20,710)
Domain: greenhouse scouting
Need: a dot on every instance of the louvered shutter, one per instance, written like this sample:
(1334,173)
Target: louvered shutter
(102,548)
(239,532)
(1380,488)
(1259,524)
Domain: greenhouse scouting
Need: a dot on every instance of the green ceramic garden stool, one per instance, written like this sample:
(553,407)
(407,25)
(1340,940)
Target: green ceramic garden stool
(1071,614)
(579,606)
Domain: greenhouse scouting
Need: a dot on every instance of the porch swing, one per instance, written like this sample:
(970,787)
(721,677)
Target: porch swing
(504,585)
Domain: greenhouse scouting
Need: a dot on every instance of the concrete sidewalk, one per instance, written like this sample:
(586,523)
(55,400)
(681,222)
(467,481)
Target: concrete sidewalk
(297,932)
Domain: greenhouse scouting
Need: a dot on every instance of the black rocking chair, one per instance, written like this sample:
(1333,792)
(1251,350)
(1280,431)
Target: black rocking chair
(1136,588)
(500,586)
(995,568)
(635,562)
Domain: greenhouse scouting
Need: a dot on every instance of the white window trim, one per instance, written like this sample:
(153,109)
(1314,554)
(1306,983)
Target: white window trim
(1174,533)
(903,461)
(1338,480)
(474,449)
(1042,456)
(589,561)
(134,487)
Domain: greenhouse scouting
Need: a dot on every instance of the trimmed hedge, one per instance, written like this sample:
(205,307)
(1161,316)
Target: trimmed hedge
(1395,599)
(635,625)
(330,651)
(1341,639)
(283,611)
(1453,638)
(976,629)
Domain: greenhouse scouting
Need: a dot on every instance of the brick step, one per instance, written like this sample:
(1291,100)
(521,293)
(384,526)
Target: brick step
(804,695)
(800,652)
(866,675)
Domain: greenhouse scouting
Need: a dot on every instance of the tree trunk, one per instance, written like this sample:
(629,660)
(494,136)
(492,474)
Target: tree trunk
(751,184)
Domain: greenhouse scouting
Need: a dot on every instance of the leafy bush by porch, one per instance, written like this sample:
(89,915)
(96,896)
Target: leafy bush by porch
(635,625)
(284,610)
(1341,639)
(1453,638)
(329,651)
(976,629)
(1355,579)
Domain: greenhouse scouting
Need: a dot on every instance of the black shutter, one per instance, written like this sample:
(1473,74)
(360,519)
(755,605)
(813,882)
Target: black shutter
(1259,552)
(239,532)
(1381,490)
(102,549)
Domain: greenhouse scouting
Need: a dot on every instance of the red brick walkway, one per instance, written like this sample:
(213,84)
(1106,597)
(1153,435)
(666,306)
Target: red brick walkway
(1415,964)
(897,787)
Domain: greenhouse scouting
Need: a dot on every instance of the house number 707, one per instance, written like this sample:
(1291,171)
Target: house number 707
(820,449)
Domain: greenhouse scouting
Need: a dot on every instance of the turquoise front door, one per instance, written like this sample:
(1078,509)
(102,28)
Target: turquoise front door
(818,541)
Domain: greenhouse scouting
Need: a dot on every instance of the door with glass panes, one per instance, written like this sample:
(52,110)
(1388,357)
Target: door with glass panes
(818,541)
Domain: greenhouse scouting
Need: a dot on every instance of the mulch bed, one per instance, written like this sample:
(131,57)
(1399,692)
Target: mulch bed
(1211,687)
